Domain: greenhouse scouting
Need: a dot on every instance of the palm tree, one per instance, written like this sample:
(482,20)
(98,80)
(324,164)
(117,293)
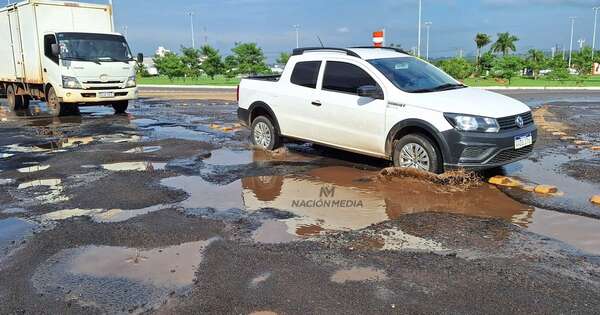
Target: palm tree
(481,40)
(505,43)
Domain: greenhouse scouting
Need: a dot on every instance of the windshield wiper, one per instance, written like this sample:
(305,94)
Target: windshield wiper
(443,87)
(96,61)
(115,59)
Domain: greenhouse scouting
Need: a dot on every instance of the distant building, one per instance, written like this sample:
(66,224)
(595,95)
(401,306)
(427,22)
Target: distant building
(161,51)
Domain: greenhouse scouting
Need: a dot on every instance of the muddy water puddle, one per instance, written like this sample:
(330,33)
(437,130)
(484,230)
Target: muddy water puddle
(12,232)
(229,157)
(574,194)
(342,199)
(121,279)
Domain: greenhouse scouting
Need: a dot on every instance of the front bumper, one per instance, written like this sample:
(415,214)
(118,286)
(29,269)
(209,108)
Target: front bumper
(485,150)
(93,96)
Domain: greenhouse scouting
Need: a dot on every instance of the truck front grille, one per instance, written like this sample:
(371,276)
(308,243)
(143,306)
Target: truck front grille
(508,123)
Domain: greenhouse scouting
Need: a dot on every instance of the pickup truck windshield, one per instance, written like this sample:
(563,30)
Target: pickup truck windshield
(412,75)
(93,47)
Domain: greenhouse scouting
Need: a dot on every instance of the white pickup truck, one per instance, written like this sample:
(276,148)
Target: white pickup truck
(385,103)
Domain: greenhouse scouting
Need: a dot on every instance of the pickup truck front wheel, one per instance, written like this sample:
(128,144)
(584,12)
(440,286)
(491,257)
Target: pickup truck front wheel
(417,151)
(264,135)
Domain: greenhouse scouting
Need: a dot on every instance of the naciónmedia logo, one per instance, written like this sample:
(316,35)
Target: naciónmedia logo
(327,200)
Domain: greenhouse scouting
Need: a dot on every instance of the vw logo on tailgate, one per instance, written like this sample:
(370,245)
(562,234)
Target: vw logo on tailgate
(519,121)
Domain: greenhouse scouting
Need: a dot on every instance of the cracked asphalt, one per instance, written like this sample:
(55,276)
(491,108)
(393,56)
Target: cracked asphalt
(168,210)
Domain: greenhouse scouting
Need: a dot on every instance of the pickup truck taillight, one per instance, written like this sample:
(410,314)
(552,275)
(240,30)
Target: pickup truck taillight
(237,93)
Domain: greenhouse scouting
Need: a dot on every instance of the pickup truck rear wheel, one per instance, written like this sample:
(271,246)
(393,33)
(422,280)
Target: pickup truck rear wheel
(264,135)
(417,151)
(120,107)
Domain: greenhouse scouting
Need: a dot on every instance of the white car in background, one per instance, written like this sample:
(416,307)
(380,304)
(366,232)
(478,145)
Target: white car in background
(385,103)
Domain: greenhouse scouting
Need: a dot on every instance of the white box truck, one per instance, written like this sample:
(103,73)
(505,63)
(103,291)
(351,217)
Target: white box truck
(64,53)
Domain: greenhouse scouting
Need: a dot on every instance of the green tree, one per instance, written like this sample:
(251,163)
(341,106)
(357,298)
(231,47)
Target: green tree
(212,64)
(558,68)
(141,70)
(458,68)
(481,40)
(191,60)
(170,65)
(283,58)
(249,59)
(486,62)
(582,61)
(535,61)
(230,66)
(505,43)
(507,67)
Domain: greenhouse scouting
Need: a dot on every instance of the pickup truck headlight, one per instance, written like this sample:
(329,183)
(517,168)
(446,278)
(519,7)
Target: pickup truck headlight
(70,83)
(131,82)
(472,123)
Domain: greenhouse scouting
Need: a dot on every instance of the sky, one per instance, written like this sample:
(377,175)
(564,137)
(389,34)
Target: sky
(539,24)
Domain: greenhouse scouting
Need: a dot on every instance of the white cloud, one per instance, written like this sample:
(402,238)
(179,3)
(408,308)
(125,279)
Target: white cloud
(343,29)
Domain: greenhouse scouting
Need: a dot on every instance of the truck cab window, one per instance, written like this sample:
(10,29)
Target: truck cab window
(48,41)
(345,77)
(306,74)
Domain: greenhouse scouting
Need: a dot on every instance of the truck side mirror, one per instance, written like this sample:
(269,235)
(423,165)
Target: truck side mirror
(371,91)
(55,50)
(140,58)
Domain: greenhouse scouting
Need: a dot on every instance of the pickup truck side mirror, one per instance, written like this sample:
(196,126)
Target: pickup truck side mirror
(55,50)
(370,91)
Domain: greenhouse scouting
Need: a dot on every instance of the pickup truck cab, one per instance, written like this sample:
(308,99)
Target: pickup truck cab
(385,103)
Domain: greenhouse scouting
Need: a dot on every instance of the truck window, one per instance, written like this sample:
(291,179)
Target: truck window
(306,74)
(48,41)
(345,77)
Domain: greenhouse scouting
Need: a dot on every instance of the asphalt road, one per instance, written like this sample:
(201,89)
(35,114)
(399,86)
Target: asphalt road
(168,210)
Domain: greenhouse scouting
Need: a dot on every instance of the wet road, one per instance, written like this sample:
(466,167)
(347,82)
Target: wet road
(168,210)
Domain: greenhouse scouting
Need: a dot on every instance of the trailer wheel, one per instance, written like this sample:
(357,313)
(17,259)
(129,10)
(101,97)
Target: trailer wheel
(55,107)
(120,107)
(15,102)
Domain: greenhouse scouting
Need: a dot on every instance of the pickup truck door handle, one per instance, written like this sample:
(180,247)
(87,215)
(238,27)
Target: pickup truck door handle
(316,103)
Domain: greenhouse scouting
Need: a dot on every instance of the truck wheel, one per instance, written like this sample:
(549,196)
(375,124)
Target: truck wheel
(264,135)
(417,151)
(55,107)
(15,102)
(120,107)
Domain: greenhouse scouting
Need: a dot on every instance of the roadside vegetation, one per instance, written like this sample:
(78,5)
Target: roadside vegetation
(500,66)
(495,64)
(206,66)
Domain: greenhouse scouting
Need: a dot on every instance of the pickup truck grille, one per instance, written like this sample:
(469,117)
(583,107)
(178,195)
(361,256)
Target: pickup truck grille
(508,123)
(511,154)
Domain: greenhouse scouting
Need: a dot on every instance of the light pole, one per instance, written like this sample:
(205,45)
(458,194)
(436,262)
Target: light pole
(192,28)
(595,24)
(297,27)
(428,26)
(419,31)
(571,45)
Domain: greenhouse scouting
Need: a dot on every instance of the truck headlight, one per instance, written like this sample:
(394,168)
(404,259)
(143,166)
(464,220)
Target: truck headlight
(131,82)
(472,123)
(70,83)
